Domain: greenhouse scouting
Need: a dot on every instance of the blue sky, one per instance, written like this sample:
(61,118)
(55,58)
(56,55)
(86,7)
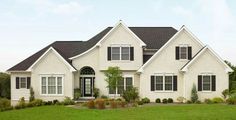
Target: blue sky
(27,26)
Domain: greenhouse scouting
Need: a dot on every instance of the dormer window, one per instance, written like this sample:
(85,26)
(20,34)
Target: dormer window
(183,52)
(120,52)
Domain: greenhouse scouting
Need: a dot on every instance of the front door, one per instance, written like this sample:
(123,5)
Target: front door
(87,86)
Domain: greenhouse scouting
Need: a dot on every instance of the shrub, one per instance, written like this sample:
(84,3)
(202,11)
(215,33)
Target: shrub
(91,104)
(189,102)
(164,101)
(194,96)
(208,101)
(31,98)
(198,102)
(231,99)
(146,100)
(50,103)
(100,103)
(118,99)
(104,97)
(130,94)
(181,99)
(77,93)
(217,100)
(68,101)
(134,104)
(225,93)
(4,103)
(122,104)
(113,104)
(170,100)
(95,92)
(5,83)
(158,100)
(21,103)
(55,101)
(36,102)
(140,102)
(7,108)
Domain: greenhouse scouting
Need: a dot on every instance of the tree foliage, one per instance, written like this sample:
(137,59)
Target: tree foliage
(232,77)
(113,76)
(194,96)
(5,87)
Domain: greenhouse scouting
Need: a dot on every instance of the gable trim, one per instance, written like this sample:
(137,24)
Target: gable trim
(185,68)
(142,44)
(167,43)
(72,69)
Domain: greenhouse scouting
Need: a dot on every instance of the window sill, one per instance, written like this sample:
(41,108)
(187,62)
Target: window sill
(206,91)
(120,61)
(183,60)
(51,95)
(164,91)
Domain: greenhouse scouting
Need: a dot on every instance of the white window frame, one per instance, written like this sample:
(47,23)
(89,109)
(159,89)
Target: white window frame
(120,47)
(116,91)
(180,46)
(25,83)
(207,74)
(56,76)
(164,81)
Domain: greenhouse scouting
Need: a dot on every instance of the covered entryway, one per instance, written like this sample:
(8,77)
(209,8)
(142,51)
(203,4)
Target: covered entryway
(87,77)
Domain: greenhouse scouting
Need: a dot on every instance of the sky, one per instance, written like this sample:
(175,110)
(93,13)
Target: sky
(26,26)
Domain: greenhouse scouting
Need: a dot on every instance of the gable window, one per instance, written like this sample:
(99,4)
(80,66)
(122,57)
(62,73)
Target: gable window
(164,82)
(120,52)
(206,82)
(183,52)
(123,84)
(23,82)
(51,85)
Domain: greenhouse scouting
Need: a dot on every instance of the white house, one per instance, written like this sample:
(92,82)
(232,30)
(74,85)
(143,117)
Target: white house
(160,61)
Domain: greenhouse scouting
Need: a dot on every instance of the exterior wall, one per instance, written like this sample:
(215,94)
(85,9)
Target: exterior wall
(16,94)
(206,63)
(165,62)
(51,64)
(121,36)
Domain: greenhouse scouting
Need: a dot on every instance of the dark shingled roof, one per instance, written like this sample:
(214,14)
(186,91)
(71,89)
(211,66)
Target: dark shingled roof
(154,37)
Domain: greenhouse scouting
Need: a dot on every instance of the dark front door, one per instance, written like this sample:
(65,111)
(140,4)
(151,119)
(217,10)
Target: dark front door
(87,86)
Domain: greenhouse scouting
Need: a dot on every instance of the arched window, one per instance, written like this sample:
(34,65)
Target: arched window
(87,71)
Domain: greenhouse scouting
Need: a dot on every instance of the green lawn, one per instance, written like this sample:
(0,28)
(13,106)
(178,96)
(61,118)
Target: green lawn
(157,112)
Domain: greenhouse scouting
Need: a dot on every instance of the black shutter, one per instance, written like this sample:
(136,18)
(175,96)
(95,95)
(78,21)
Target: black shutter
(177,53)
(189,53)
(175,83)
(109,53)
(28,82)
(213,83)
(152,83)
(199,82)
(132,53)
(17,83)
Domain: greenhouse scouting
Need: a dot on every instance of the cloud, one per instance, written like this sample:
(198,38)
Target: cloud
(70,8)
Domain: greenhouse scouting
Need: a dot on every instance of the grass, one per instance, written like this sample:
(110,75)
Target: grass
(160,112)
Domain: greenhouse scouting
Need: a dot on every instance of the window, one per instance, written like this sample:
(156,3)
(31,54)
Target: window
(183,52)
(159,82)
(123,84)
(206,83)
(51,85)
(23,82)
(164,83)
(120,53)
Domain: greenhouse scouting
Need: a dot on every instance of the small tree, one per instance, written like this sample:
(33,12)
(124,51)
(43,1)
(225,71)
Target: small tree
(113,76)
(31,98)
(194,96)
(131,94)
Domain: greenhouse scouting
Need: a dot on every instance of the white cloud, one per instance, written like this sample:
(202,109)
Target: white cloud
(70,8)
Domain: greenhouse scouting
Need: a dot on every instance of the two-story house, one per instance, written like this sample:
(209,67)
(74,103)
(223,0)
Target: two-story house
(161,62)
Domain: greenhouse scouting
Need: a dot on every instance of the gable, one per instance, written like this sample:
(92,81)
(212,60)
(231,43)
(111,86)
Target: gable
(53,59)
(203,58)
(167,52)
